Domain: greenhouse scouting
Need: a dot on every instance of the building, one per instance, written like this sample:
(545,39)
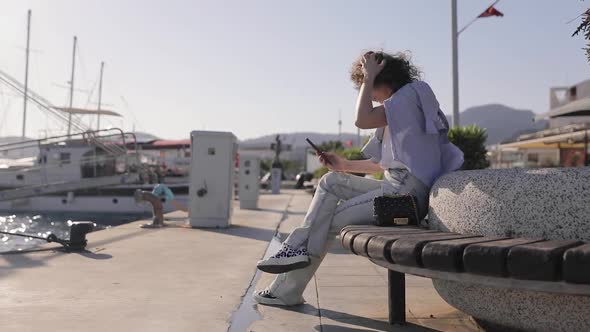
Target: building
(173,155)
(564,143)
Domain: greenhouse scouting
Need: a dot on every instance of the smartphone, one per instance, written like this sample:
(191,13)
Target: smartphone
(319,152)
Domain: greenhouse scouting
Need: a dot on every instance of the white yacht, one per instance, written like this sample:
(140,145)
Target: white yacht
(94,173)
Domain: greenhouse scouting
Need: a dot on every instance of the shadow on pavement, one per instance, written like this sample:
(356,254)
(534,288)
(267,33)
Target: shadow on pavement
(364,324)
(95,255)
(409,327)
(249,232)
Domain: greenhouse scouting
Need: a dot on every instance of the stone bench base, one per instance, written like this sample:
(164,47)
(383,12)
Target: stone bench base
(464,263)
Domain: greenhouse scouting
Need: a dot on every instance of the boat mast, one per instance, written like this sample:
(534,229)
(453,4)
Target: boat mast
(72,87)
(99,95)
(26,75)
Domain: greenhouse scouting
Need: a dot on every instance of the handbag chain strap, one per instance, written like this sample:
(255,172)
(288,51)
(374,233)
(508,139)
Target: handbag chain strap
(414,204)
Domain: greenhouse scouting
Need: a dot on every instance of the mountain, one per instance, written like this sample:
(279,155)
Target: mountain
(502,123)
(298,139)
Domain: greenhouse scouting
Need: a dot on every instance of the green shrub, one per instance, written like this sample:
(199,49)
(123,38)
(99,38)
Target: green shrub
(331,146)
(471,140)
(379,176)
(320,172)
(353,154)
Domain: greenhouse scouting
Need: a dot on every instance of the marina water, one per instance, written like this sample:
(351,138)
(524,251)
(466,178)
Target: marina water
(43,225)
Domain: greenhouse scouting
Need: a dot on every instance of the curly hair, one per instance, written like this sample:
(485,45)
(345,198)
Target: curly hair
(398,71)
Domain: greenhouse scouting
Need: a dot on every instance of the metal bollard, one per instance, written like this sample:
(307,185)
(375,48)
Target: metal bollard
(77,241)
(157,208)
(78,231)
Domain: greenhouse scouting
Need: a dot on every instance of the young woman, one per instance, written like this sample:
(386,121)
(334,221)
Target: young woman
(410,145)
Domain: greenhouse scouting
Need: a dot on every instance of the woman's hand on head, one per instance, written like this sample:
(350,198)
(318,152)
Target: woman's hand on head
(371,66)
(333,161)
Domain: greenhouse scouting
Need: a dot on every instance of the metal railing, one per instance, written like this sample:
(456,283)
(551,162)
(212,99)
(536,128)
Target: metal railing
(69,162)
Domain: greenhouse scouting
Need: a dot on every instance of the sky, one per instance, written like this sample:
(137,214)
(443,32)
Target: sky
(267,66)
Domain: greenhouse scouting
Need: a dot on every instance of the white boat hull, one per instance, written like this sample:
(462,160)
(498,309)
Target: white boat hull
(92,206)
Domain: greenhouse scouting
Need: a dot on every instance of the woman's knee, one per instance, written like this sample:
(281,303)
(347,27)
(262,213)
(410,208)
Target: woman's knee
(361,214)
(346,220)
(330,178)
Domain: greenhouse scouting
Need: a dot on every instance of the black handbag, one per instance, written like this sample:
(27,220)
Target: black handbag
(395,210)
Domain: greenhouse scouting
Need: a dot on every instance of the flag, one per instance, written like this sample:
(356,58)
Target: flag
(491,11)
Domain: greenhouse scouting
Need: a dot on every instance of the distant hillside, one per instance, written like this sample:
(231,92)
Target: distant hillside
(501,122)
(12,139)
(298,139)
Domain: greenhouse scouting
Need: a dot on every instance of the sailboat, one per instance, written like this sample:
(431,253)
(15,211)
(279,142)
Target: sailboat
(84,172)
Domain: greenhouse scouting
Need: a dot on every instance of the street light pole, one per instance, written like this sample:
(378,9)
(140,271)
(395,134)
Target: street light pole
(455,55)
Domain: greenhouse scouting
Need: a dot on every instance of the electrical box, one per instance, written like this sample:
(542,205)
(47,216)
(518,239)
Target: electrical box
(249,182)
(211,178)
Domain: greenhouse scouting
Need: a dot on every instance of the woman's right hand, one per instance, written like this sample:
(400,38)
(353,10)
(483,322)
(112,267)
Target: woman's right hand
(333,161)
(371,65)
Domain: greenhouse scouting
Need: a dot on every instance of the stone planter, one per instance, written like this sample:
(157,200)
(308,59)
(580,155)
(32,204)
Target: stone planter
(531,203)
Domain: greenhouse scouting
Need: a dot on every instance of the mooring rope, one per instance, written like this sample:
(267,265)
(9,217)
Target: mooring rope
(26,235)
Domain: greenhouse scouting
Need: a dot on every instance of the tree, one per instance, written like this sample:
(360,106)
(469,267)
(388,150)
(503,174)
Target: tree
(353,154)
(331,146)
(584,28)
(471,140)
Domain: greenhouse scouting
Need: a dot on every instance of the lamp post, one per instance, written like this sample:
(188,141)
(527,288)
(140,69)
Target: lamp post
(455,54)
(490,11)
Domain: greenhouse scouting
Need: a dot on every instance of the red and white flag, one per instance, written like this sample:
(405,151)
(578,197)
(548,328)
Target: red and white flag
(491,11)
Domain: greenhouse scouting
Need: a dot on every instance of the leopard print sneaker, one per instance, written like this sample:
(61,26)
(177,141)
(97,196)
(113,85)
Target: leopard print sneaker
(265,297)
(285,260)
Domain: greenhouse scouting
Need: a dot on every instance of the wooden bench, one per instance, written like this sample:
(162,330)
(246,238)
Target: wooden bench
(550,266)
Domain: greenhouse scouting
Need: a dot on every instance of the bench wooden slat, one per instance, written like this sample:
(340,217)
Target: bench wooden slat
(357,228)
(408,250)
(361,242)
(379,247)
(576,264)
(489,258)
(448,255)
(349,234)
(538,261)
(351,228)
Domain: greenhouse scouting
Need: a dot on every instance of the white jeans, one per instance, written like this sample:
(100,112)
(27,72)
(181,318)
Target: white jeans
(340,200)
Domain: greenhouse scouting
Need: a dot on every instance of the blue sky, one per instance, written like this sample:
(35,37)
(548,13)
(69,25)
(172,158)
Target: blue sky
(260,67)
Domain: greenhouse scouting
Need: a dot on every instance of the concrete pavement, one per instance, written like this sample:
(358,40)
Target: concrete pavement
(349,294)
(183,279)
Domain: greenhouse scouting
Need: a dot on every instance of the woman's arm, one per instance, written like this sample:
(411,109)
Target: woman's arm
(367,116)
(362,166)
(338,164)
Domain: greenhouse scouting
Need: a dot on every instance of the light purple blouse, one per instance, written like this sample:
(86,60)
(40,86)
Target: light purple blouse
(418,130)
